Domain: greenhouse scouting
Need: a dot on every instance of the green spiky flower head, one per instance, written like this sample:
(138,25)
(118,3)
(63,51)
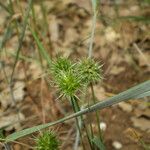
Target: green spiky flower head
(60,65)
(89,70)
(69,83)
(47,141)
(65,77)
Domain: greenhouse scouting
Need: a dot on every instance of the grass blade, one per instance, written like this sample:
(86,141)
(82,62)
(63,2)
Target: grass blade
(131,93)
(21,37)
(41,47)
(136,18)
(143,95)
(6,36)
(5,8)
(98,143)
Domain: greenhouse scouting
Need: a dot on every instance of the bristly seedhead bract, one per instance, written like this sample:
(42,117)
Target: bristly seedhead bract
(71,77)
(47,141)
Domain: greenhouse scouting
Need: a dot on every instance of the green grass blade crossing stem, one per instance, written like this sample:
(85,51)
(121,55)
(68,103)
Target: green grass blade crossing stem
(41,47)
(131,93)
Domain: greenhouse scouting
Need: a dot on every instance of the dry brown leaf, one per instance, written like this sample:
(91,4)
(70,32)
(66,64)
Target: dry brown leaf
(12,121)
(133,134)
(111,35)
(115,70)
(82,3)
(34,70)
(54,29)
(144,59)
(140,113)
(115,59)
(18,93)
(125,106)
(142,123)
(70,36)
(99,92)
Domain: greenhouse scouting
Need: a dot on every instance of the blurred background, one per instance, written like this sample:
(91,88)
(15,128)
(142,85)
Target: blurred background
(121,44)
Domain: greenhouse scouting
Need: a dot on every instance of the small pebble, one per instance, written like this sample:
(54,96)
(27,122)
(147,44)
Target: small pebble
(103,126)
(117,145)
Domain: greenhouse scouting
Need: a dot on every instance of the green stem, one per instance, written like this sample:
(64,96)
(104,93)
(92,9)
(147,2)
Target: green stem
(45,23)
(92,35)
(77,121)
(136,92)
(97,113)
(82,120)
(91,129)
(92,134)
(21,38)
(36,30)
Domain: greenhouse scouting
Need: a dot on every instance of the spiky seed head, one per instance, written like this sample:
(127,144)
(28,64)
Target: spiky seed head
(63,71)
(47,141)
(68,83)
(70,77)
(60,64)
(89,70)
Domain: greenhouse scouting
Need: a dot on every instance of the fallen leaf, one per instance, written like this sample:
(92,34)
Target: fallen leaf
(133,134)
(99,92)
(115,70)
(125,107)
(54,29)
(140,113)
(70,36)
(12,121)
(142,123)
(143,59)
(34,70)
(18,93)
(111,35)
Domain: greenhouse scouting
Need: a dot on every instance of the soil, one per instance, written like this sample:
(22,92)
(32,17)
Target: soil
(115,46)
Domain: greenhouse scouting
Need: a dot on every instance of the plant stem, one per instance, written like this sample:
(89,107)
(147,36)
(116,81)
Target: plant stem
(97,113)
(82,120)
(91,129)
(90,55)
(36,31)
(45,23)
(92,35)
(77,121)
(21,38)
(136,92)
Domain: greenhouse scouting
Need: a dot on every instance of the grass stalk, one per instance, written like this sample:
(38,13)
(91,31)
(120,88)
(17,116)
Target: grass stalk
(75,109)
(82,120)
(97,113)
(90,56)
(36,31)
(92,35)
(12,12)
(21,38)
(5,8)
(43,9)
(136,92)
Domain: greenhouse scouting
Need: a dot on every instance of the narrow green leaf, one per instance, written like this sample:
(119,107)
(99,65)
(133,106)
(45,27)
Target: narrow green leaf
(97,141)
(5,7)
(95,4)
(6,36)
(131,93)
(41,47)
(143,95)
(136,18)
(21,37)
